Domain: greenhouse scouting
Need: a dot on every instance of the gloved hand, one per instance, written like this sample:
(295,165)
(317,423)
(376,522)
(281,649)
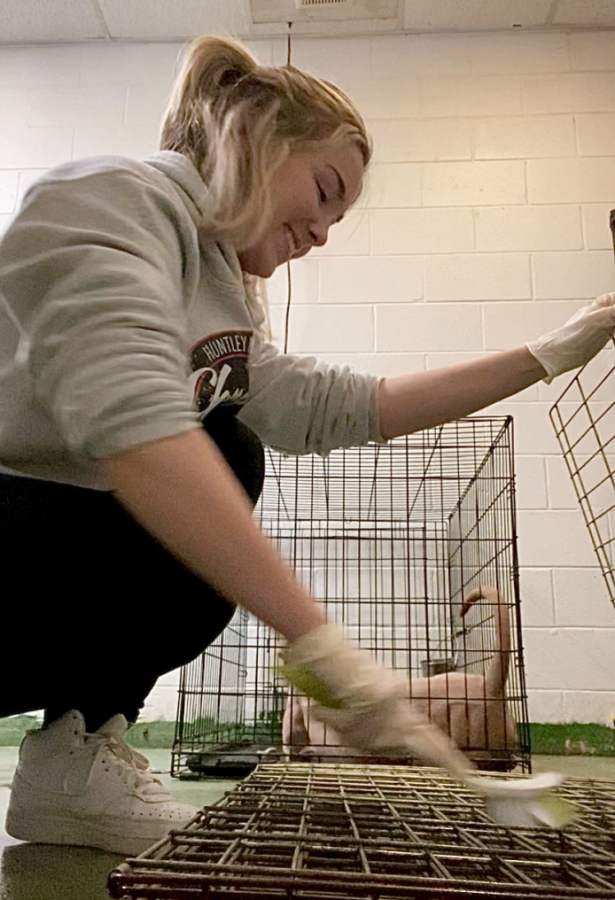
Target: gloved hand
(366,703)
(578,340)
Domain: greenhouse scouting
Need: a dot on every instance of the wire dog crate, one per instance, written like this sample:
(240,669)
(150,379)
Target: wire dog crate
(391,538)
(374,832)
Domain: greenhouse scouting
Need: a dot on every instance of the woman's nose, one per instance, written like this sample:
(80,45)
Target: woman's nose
(319,232)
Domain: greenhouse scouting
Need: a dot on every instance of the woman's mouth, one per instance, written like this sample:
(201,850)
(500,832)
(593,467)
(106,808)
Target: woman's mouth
(291,241)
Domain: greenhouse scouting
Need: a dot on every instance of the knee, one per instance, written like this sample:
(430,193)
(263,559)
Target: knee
(241,448)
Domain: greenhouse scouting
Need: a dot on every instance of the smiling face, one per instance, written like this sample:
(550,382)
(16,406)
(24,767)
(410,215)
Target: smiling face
(311,190)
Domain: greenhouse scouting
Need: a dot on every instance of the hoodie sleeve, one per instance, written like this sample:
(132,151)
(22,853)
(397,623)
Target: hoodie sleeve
(92,269)
(299,405)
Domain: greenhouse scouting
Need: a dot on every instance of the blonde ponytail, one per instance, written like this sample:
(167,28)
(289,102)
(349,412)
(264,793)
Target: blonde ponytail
(237,121)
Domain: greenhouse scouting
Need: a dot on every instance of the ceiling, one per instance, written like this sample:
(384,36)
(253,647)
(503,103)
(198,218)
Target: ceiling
(66,21)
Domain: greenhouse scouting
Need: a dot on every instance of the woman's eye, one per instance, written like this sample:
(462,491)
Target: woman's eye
(321,193)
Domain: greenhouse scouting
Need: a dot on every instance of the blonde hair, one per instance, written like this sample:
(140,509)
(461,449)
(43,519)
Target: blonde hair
(237,121)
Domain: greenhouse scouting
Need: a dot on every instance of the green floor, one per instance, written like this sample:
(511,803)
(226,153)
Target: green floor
(30,872)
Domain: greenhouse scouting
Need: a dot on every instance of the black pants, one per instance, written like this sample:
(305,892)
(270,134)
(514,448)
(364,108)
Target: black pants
(94,609)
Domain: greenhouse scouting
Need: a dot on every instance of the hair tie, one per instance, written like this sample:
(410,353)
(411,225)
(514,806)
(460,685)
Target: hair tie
(231,77)
(253,86)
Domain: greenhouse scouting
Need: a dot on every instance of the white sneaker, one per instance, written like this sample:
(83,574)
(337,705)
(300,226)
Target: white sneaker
(89,790)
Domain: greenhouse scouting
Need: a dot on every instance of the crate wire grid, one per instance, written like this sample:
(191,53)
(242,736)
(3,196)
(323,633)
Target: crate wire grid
(223,667)
(583,417)
(320,832)
(389,538)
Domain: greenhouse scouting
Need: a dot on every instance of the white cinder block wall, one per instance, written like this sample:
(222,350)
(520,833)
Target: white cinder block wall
(485,223)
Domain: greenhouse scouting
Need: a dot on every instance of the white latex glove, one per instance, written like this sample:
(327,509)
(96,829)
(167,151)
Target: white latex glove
(365,702)
(578,340)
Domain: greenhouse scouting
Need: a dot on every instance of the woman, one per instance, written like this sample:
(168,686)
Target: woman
(136,387)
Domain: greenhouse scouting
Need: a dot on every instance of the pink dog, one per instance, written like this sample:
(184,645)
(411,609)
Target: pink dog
(471,709)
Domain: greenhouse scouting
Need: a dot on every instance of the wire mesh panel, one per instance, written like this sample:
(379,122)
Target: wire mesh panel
(584,420)
(379,832)
(393,539)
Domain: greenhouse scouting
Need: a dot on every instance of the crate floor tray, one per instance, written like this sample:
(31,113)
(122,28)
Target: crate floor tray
(324,832)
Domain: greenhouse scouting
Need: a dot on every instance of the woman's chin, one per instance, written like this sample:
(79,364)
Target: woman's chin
(266,271)
(261,263)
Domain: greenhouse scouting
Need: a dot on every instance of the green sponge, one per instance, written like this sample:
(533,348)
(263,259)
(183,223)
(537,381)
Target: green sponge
(310,685)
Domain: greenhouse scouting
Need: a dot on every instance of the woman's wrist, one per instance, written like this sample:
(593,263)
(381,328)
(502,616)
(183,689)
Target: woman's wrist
(305,615)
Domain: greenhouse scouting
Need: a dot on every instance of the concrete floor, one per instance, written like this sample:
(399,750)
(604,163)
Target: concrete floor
(36,872)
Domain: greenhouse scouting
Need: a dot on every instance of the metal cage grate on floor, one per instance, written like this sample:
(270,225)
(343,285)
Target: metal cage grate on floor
(584,420)
(376,832)
(391,538)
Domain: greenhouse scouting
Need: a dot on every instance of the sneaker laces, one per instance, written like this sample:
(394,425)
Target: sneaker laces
(132,766)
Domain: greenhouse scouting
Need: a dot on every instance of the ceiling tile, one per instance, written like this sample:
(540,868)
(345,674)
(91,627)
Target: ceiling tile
(599,13)
(471,15)
(179,19)
(69,21)
(49,20)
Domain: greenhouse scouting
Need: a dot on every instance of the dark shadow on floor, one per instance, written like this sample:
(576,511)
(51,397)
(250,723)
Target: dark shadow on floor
(41,872)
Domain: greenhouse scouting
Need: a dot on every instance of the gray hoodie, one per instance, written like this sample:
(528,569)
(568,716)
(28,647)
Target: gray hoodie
(119,326)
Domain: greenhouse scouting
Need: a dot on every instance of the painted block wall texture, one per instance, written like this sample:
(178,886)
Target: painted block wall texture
(484,223)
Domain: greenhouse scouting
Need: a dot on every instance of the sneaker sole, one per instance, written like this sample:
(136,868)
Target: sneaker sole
(43,827)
